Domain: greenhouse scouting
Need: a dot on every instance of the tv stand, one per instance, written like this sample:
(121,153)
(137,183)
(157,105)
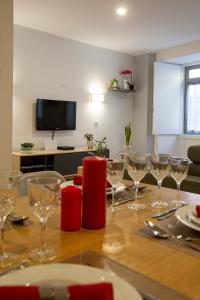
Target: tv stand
(65,162)
(65,148)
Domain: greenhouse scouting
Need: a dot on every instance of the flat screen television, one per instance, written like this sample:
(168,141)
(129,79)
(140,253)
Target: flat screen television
(55,115)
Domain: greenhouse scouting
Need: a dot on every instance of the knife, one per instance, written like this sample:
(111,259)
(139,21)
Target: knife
(127,200)
(158,215)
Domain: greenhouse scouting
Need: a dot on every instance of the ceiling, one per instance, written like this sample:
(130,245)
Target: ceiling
(149,26)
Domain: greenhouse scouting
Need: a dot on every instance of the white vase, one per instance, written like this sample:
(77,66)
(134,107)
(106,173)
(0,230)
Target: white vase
(127,149)
(90,144)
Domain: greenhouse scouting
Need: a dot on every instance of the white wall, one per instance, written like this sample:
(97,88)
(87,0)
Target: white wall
(42,62)
(184,142)
(178,52)
(6,82)
(143,104)
(178,144)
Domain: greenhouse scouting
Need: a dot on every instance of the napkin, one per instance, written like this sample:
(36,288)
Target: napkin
(198,211)
(103,291)
(19,292)
(77,180)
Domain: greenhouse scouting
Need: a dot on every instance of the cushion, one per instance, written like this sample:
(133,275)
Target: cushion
(194,169)
(192,180)
(194,153)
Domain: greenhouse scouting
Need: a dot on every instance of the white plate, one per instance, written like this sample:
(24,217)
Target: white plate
(69,274)
(186,215)
(66,183)
(119,188)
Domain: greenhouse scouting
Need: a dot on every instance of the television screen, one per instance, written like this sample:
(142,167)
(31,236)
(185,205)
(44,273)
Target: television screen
(55,115)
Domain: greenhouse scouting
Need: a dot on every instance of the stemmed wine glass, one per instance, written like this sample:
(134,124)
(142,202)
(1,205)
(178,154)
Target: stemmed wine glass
(159,169)
(43,193)
(178,171)
(115,170)
(9,192)
(137,168)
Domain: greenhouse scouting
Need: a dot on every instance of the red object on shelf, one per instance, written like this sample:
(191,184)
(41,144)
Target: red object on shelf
(198,211)
(125,72)
(94,193)
(71,208)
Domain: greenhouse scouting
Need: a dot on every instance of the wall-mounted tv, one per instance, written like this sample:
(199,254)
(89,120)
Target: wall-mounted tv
(55,115)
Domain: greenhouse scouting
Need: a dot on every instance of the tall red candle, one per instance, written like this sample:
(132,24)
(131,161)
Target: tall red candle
(71,208)
(94,193)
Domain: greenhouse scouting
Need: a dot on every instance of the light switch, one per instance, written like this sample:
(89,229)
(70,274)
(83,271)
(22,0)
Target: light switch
(96,123)
(65,84)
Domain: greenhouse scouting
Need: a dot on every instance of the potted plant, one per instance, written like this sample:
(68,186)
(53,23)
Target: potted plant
(26,147)
(128,132)
(89,138)
(101,146)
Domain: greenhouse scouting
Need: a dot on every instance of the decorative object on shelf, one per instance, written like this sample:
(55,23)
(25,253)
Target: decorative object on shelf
(89,137)
(127,85)
(101,146)
(127,80)
(26,147)
(94,193)
(50,144)
(114,85)
(97,97)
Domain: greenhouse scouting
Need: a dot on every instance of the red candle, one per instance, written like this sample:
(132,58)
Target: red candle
(94,193)
(71,208)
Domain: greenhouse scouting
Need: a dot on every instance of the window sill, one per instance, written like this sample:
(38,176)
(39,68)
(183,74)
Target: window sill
(188,137)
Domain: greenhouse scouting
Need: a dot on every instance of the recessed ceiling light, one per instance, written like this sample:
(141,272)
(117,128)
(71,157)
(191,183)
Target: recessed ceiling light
(121,11)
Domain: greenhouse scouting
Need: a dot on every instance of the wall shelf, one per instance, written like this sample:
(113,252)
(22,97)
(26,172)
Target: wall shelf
(122,91)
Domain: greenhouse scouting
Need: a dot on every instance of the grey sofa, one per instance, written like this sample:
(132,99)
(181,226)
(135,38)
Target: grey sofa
(192,181)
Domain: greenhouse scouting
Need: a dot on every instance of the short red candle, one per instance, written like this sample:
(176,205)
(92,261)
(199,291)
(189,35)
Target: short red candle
(94,193)
(71,208)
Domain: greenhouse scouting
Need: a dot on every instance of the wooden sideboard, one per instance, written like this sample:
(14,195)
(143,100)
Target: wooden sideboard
(63,161)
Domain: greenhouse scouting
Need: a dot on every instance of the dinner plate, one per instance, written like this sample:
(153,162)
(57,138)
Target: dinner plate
(187,216)
(60,274)
(120,186)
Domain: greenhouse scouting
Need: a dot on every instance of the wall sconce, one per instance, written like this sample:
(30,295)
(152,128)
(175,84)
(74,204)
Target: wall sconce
(97,97)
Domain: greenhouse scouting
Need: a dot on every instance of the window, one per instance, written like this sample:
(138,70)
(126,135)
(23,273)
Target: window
(192,100)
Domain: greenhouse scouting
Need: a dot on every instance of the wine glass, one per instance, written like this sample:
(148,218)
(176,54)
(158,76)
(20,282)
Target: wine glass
(137,168)
(115,170)
(159,169)
(178,171)
(43,193)
(9,192)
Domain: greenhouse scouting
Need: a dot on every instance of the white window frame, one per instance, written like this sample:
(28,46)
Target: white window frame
(189,81)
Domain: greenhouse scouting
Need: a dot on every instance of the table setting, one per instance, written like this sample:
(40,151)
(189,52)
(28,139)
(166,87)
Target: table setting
(85,247)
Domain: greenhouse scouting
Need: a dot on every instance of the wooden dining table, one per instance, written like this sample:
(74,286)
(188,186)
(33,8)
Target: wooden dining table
(119,240)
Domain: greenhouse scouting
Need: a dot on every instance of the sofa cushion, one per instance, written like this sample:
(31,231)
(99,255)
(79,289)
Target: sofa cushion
(194,153)
(192,180)
(194,169)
